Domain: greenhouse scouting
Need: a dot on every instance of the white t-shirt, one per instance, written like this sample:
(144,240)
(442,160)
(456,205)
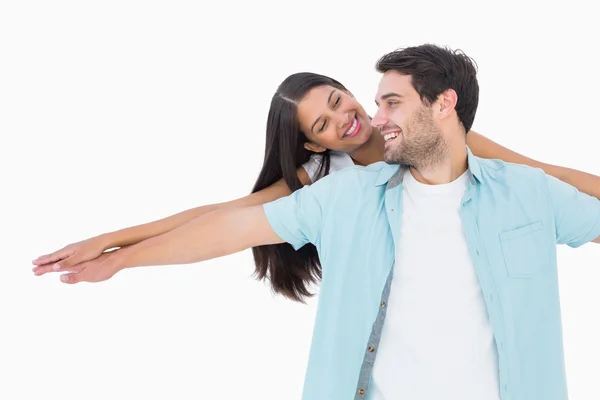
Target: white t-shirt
(339,160)
(437,342)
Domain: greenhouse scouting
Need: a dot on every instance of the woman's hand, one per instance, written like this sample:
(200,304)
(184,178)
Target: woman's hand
(97,270)
(70,256)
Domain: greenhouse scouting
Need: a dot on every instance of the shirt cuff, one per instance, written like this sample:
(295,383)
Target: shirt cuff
(591,235)
(273,212)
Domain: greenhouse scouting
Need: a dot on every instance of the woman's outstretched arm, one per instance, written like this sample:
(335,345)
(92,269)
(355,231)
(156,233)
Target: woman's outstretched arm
(91,248)
(216,234)
(483,147)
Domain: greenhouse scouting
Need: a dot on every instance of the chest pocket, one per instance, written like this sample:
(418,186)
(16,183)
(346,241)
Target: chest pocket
(524,250)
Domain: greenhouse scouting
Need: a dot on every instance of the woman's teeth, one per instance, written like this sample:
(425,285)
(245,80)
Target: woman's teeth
(352,128)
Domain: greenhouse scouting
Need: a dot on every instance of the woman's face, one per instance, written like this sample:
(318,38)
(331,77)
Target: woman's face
(332,119)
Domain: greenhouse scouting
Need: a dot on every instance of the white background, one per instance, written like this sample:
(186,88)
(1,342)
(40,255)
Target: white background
(114,113)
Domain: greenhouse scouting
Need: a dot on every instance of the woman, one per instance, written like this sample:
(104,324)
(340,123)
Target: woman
(315,127)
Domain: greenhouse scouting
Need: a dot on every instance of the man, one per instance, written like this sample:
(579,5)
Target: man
(439,268)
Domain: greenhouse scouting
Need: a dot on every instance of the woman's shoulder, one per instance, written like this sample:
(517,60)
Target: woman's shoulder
(338,160)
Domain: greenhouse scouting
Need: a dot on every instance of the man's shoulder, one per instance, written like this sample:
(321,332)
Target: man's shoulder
(513,192)
(497,170)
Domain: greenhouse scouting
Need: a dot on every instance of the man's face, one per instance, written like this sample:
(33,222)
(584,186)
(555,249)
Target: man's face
(407,124)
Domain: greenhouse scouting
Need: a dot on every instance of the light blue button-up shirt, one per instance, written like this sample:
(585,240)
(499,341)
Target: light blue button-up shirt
(513,217)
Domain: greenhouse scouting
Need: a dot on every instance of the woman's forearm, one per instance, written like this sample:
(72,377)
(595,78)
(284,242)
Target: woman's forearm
(486,148)
(136,234)
(583,181)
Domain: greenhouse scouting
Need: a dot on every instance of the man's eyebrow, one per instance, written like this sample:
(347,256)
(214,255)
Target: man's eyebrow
(387,96)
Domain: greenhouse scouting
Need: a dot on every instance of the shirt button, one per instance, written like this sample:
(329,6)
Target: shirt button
(361,391)
(392,209)
(382,304)
(371,348)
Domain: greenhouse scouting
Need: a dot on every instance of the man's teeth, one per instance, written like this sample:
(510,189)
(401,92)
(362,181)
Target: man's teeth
(352,128)
(391,135)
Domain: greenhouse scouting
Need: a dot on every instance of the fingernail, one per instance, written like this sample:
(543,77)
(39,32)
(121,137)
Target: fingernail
(56,267)
(64,278)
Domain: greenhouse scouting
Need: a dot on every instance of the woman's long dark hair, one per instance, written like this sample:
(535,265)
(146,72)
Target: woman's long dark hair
(289,271)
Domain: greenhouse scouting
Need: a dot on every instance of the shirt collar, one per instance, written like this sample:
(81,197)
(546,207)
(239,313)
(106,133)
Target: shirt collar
(394,174)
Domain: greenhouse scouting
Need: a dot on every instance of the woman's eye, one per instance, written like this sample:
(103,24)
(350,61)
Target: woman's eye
(323,126)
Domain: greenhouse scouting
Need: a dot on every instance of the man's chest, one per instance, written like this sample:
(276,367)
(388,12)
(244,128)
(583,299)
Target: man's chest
(432,248)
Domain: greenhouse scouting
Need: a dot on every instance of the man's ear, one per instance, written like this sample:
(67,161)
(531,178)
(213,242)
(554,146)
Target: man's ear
(446,103)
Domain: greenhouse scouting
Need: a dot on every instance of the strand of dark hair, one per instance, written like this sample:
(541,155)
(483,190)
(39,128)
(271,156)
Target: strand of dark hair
(290,272)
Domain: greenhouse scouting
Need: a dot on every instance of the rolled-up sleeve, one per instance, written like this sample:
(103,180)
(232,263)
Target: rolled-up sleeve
(576,214)
(298,218)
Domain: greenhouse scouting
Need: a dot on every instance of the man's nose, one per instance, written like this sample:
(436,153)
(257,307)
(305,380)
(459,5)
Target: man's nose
(379,119)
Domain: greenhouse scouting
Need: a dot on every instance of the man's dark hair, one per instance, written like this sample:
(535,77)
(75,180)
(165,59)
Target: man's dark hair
(434,70)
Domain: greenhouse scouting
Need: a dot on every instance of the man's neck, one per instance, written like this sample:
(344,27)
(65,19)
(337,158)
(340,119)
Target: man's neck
(448,170)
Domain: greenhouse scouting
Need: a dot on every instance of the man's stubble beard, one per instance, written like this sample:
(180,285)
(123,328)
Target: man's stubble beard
(422,145)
